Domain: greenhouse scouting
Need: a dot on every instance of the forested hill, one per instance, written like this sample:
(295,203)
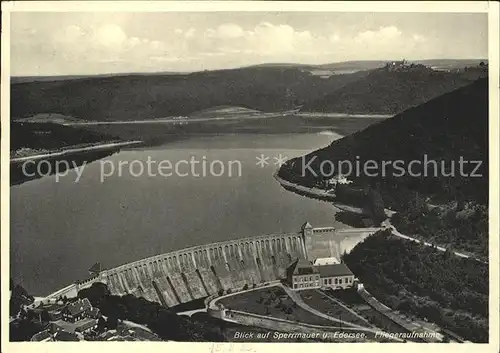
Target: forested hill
(442,206)
(444,129)
(391,92)
(418,280)
(136,97)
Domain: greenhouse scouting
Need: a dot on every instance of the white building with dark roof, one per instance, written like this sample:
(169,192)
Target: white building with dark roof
(336,276)
(302,274)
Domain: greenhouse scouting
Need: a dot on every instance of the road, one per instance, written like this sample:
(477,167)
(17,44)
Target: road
(387,224)
(191,312)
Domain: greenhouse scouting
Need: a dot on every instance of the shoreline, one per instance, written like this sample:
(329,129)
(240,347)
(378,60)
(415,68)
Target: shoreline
(320,114)
(178,121)
(68,151)
(316,193)
(261,115)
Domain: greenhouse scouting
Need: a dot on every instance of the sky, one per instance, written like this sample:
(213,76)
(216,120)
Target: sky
(83,43)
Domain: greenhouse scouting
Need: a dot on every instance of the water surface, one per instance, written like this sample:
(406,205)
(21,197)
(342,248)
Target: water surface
(58,230)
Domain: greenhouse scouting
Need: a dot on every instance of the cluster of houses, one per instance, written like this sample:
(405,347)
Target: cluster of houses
(323,273)
(332,183)
(78,321)
(64,321)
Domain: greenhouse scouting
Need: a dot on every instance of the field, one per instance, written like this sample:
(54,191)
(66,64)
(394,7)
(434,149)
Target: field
(234,332)
(273,302)
(328,306)
(352,300)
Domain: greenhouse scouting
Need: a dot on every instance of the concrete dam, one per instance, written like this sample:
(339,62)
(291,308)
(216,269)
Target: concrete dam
(197,272)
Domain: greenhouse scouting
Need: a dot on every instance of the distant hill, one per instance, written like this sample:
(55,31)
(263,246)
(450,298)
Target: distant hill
(374,64)
(451,64)
(362,65)
(390,92)
(358,65)
(135,97)
(223,110)
(26,79)
(267,87)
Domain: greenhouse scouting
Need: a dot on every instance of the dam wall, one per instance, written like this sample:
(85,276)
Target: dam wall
(197,272)
(333,242)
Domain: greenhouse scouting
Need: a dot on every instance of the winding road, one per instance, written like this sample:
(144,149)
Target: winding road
(387,224)
(320,193)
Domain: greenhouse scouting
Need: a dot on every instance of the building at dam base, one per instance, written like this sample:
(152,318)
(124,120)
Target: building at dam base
(302,274)
(197,272)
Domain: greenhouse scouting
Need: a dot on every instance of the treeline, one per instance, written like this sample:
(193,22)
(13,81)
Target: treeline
(18,297)
(423,281)
(20,329)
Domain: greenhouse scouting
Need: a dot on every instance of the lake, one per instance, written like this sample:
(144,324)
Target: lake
(60,229)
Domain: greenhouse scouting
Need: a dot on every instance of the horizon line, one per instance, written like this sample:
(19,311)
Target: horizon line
(181,72)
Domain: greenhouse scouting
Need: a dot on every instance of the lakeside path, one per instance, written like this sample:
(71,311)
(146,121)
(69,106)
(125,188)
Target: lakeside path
(68,151)
(322,194)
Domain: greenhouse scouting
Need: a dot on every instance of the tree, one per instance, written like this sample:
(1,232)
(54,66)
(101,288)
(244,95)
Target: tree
(101,325)
(44,316)
(95,293)
(112,322)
